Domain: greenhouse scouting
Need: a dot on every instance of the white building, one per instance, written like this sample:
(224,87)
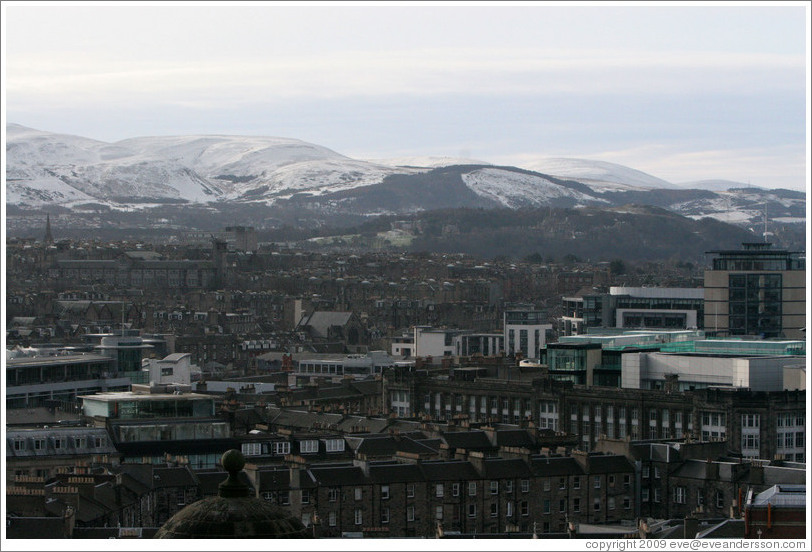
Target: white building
(175,368)
(701,370)
(525,332)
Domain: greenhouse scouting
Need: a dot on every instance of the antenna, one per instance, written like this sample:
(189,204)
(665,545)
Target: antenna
(765,222)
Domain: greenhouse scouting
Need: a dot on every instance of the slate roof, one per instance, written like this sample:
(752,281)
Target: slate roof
(514,438)
(506,468)
(277,479)
(469,440)
(449,471)
(173,477)
(395,473)
(555,466)
(209,481)
(321,321)
(386,445)
(338,476)
(362,424)
(608,463)
(67,436)
(301,419)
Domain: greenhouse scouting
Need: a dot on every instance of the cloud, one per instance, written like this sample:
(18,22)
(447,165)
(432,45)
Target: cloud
(83,81)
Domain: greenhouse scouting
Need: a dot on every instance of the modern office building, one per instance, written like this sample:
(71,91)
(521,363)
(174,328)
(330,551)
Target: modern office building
(632,308)
(756,290)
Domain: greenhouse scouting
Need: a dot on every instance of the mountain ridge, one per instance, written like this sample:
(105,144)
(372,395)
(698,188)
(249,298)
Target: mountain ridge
(46,169)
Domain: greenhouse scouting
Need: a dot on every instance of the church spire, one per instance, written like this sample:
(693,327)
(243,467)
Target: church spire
(49,238)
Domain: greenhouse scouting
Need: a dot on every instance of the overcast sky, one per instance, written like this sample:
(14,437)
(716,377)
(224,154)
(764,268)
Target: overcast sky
(682,92)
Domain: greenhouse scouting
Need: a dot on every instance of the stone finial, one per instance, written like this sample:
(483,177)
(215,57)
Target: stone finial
(233,461)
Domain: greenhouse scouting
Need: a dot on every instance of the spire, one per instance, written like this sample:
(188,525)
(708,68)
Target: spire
(49,238)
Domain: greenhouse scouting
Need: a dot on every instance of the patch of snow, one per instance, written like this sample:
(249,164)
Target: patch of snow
(513,189)
(611,176)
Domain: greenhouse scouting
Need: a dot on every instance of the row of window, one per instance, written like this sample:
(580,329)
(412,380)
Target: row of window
(40,443)
(277,448)
(680,496)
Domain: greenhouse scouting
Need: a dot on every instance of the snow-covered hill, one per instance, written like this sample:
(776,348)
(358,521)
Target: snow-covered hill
(598,175)
(44,168)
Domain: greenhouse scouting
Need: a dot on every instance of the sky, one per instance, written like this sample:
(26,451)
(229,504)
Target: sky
(682,91)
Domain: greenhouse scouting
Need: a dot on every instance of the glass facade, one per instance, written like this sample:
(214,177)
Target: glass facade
(755,304)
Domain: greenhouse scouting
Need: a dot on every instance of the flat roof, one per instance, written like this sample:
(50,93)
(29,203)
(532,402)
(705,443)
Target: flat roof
(59,359)
(130,396)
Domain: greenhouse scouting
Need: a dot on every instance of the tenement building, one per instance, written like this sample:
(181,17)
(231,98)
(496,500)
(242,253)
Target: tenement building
(757,424)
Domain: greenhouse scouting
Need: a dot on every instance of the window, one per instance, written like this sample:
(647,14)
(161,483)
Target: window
(284,498)
(679,495)
(332,494)
(644,494)
(384,515)
(455,489)
(562,505)
(19,444)
(358,492)
(331,519)
(656,472)
(384,492)
(524,508)
(657,497)
(525,485)
(562,484)
(79,442)
(305,496)
(494,487)
(596,504)
(509,486)
(334,445)
(576,505)
(410,490)
(472,488)
(611,480)
(720,499)
(472,510)
(494,510)
(597,481)
(799,439)
(627,503)
(576,482)
(410,513)
(611,503)
(509,509)
(309,447)
(39,444)
(439,490)
(545,506)
(627,480)
(359,516)
(281,447)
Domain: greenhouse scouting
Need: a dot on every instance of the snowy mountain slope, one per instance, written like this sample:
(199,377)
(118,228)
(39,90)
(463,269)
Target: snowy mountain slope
(254,171)
(516,189)
(598,175)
